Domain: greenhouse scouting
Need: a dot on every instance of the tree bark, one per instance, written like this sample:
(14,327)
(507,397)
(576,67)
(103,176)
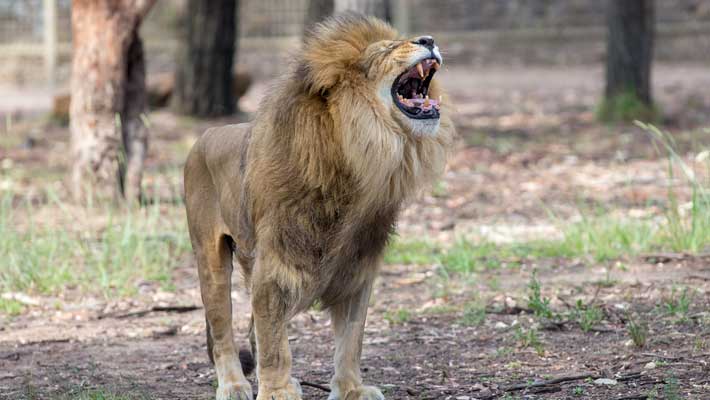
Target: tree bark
(203,84)
(108,136)
(379,8)
(318,10)
(630,48)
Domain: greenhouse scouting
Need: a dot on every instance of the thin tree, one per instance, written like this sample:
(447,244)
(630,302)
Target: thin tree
(108,134)
(203,84)
(630,41)
(378,8)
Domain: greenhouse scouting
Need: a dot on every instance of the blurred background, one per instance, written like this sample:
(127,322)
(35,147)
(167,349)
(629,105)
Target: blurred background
(570,233)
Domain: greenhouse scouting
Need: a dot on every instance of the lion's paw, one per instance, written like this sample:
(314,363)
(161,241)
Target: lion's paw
(235,391)
(361,393)
(291,392)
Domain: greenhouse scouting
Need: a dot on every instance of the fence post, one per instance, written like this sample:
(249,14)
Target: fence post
(400,17)
(50,41)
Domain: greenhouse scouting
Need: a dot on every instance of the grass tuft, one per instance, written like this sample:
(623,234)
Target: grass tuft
(398,317)
(638,331)
(538,304)
(474,313)
(626,107)
(111,258)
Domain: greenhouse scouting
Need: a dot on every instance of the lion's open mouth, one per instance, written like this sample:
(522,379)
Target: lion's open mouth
(410,91)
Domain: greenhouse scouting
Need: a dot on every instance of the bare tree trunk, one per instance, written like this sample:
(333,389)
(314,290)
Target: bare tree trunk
(107,84)
(318,10)
(133,128)
(378,8)
(203,84)
(630,48)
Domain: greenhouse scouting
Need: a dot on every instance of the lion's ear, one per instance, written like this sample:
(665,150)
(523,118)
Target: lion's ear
(322,69)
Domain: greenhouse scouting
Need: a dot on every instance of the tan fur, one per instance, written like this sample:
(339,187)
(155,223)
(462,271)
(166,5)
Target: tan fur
(305,197)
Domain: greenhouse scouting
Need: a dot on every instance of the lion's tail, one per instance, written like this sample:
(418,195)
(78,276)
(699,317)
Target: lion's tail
(246,358)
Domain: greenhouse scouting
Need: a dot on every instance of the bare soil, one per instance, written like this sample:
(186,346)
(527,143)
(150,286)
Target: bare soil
(529,147)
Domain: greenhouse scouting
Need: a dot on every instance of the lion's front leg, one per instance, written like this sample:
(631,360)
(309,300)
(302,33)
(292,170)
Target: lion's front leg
(270,306)
(348,319)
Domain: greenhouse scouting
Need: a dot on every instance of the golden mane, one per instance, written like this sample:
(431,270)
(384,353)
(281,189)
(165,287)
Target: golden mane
(325,121)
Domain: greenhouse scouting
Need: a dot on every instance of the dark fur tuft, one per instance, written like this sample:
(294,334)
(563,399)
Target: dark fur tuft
(247,361)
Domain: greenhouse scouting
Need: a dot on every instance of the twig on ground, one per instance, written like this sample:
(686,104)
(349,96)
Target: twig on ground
(315,385)
(662,357)
(141,313)
(562,379)
(508,310)
(666,257)
(555,381)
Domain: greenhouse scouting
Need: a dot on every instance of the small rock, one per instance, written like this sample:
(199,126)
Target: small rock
(651,365)
(500,325)
(605,381)
(463,398)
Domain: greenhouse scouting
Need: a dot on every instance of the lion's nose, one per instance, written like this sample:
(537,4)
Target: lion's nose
(426,41)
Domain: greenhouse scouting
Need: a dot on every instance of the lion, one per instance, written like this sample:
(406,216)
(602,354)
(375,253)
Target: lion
(306,196)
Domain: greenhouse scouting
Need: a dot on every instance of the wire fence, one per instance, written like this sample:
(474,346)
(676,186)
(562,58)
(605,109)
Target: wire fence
(477,30)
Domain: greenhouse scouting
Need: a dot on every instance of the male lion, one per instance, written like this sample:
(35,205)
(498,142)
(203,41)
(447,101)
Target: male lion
(306,195)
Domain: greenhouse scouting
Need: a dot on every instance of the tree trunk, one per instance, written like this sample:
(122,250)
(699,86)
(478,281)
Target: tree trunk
(108,98)
(378,8)
(203,84)
(318,10)
(133,129)
(630,49)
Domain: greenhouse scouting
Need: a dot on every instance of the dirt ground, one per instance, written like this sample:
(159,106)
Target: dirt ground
(529,148)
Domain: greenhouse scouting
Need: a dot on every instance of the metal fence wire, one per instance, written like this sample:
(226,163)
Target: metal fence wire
(26,26)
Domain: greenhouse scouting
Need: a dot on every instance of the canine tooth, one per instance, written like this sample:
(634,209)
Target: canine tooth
(420,69)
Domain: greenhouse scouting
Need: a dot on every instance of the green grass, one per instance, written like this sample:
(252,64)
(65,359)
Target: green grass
(689,232)
(600,237)
(626,107)
(398,317)
(474,313)
(678,304)
(638,331)
(539,305)
(419,252)
(529,338)
(110,258)
(588,316)
(11,307)
(102,395)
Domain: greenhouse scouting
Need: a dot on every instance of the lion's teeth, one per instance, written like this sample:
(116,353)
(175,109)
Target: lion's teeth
(420,69)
